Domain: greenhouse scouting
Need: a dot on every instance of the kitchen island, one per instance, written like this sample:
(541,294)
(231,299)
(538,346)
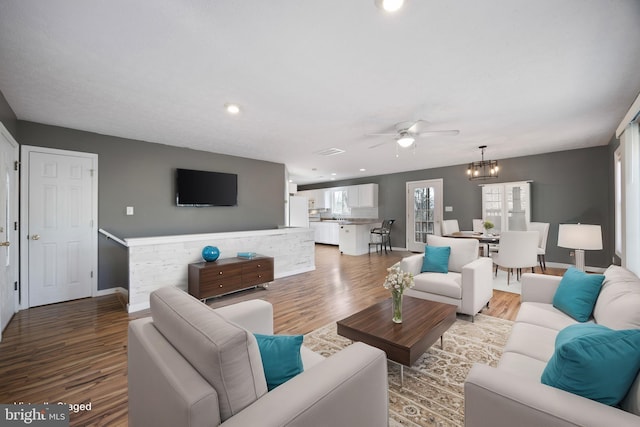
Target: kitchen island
(355,236)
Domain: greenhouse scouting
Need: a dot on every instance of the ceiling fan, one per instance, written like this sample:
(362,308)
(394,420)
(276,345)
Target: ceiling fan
(407,132)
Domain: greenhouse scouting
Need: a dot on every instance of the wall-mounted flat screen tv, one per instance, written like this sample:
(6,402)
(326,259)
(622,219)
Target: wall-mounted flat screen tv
(203,188)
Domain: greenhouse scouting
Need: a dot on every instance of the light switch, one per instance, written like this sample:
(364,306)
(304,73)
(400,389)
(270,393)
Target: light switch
(129,210)
(448,208)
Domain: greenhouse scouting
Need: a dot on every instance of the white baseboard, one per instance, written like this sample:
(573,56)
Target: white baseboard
(117,290)
(132,308)
(563,265)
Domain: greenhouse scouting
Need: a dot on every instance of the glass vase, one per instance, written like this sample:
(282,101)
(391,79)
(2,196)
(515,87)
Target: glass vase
(396,306)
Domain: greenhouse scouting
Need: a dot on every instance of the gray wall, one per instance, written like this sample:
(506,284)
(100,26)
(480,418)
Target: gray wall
(141,174)
(568,187)
(7,116)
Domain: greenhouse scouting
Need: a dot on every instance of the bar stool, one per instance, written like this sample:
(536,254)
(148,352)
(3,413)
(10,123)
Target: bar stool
(383,234)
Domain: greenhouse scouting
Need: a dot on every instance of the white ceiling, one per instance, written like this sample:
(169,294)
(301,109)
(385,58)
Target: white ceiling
(520,76)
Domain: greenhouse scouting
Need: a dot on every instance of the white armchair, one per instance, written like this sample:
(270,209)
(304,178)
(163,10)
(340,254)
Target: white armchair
(468,283)
(193,366)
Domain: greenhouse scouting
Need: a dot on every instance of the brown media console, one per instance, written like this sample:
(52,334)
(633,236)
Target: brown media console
(211,279)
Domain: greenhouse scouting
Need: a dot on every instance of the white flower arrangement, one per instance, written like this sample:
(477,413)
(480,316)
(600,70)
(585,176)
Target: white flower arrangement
(398,280)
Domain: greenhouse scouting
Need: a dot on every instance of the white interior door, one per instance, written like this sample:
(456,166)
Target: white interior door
(8,227)
(61,230)
(424,212)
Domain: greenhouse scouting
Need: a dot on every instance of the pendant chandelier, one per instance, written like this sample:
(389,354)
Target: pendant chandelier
(484,169)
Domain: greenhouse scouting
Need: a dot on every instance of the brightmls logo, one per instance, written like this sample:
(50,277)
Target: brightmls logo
(35,415)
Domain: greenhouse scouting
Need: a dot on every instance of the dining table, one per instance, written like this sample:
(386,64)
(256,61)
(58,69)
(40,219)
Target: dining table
(483,238)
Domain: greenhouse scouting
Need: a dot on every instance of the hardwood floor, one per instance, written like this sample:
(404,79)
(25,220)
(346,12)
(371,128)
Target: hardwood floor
(76,352)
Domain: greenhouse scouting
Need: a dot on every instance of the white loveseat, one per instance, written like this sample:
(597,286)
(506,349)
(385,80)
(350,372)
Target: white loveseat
(190,365)
(468,284)
(513,395)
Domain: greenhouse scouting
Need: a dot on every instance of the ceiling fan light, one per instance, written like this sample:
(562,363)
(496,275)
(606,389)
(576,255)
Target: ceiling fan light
(232,108)
(389,5)
(405,141)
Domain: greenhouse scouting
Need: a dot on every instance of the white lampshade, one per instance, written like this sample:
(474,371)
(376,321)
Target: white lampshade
(580,236)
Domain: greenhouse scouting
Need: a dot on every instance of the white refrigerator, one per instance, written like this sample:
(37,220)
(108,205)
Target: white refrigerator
(298,211)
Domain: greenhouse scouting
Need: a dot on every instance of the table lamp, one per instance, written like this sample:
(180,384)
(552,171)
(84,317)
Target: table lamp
(580,237)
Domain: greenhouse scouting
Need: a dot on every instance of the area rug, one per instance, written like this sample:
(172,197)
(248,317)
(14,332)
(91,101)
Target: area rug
(433,391)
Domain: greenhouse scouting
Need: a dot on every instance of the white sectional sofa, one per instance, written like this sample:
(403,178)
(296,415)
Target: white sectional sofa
(468,284)
(513,395)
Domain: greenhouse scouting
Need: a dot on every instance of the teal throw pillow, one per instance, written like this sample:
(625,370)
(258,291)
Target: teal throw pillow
(280,356)
(436,259)
(595,362)
(577,293)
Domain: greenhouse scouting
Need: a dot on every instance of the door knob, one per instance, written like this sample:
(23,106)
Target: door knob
(35,237)
(5,243)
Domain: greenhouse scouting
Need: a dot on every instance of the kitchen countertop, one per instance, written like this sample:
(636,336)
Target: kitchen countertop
(353,222)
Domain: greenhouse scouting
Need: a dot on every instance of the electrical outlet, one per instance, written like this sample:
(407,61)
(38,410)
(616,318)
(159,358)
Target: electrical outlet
(129,210)
(448,208)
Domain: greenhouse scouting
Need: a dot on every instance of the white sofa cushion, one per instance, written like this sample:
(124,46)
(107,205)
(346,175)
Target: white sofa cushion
(522,365)
(446,284)
(463,251)
(534,341)
(619,299)
(225,354)
(545,315)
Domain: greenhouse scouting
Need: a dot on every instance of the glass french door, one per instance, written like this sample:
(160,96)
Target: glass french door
(507,205)
(424,212)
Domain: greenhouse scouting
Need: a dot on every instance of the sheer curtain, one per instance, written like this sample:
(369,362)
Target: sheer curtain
(630,148)
(629,135)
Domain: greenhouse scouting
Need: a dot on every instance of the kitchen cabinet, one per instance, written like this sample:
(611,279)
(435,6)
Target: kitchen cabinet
(327,232)
(362,196)
(318,199)
(368,195)
(322,199)
(355,196)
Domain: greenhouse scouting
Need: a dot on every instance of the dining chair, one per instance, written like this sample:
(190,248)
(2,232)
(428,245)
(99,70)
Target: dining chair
(543,230)
(478,227)
(450,226)
(518,249)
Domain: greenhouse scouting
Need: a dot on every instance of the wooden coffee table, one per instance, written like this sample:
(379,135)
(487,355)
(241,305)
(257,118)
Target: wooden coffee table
(423,322)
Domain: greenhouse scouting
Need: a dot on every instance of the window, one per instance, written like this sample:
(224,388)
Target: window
(507,205)
(339,204)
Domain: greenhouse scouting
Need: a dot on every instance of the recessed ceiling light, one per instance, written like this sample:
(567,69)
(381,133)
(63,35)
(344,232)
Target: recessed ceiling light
(362,169)
(333,174)
(389,5)
(232,108)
